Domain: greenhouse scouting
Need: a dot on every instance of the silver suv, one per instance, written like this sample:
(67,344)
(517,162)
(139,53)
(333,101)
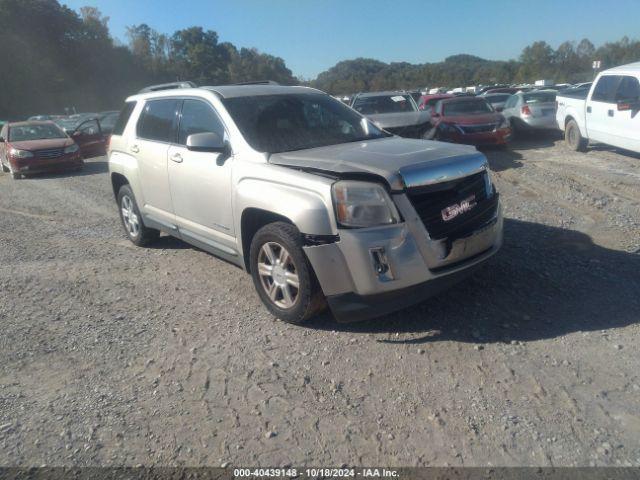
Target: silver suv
(315,201)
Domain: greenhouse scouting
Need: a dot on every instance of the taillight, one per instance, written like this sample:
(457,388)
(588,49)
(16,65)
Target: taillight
(526,111)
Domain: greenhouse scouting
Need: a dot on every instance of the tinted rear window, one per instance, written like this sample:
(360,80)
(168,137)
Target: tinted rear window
(546,97)
(123,118)
(466,107)
(158,121)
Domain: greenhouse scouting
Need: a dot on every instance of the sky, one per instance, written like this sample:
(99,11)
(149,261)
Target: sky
(313,35)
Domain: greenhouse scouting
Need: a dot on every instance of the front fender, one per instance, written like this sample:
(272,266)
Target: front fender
(310,211)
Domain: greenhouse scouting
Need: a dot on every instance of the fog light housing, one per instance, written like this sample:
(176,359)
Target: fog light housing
(381,264)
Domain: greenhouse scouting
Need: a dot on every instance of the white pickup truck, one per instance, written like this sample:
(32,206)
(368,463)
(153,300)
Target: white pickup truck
(610,112)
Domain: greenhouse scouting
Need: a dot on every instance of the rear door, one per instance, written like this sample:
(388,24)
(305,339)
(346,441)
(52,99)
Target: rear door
(626,123)
(156,131)
(601,108)
(201,181)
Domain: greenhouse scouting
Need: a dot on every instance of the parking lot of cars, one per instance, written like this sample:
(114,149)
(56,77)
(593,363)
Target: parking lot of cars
(113,354)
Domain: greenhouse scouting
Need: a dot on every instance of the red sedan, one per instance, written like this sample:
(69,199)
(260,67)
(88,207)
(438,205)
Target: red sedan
(469,120)
(428,102)
(37,147)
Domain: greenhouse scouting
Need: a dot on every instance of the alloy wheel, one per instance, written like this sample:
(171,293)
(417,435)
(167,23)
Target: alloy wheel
(129,216)
(278,275)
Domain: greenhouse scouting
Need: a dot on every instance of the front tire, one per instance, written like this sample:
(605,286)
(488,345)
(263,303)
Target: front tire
(132,220)
(282,274)
(573,138)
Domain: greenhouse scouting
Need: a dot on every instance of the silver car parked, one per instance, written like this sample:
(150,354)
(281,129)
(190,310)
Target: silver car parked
(396,112)
(497,100)
(533,110)
(315,201)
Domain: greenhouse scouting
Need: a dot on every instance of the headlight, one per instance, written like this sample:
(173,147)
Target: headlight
(15,153)
(72,149)
(363,204)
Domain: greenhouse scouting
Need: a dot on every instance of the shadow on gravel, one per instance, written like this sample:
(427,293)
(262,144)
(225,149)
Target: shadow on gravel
(501,159)
(91,167)
(600,147)
(546,282)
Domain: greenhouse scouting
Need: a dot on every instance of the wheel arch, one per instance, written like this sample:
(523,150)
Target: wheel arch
(252,220)
(117,182)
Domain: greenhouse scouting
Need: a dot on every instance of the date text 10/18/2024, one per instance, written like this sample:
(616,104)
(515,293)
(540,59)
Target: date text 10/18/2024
(316,472)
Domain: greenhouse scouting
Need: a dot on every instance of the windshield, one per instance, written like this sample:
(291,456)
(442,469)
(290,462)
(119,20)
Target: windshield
(540,97)
(466,107)
(384,104)
(23,133)
(282,123)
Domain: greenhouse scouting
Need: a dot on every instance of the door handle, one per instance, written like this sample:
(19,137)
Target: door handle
(588,109)
(176,157)
(135,149)
(610,113)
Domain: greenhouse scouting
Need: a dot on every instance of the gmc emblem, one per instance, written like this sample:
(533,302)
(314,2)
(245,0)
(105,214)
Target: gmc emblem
(456,209)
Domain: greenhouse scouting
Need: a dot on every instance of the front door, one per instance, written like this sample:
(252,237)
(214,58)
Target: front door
(601,109)
(201,181)
(626,122)
(88,136)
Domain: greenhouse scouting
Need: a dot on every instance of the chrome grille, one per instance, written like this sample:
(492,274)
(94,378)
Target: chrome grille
(488,127)
(430,201)
(51,153)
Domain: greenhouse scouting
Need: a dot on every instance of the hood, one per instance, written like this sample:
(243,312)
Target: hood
(395,120)
(33,145)
(401,162)
(474,119)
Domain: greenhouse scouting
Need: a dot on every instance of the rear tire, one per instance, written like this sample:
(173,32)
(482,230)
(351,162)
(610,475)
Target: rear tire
(282,275)
(573,138)
(132,220)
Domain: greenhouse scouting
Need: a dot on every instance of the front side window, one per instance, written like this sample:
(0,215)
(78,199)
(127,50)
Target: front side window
(628,90)
(384,104)
(158,121)
(606,89)
(198,117)
(89,127)
(279,123)
(22,133)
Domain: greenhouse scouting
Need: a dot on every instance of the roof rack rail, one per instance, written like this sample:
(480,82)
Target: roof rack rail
(257,82)
(168,86)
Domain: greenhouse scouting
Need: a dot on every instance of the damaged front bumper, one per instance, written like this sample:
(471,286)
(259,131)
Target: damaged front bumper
(374,271)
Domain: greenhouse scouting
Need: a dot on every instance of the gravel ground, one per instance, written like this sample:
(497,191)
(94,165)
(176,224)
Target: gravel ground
(115,355)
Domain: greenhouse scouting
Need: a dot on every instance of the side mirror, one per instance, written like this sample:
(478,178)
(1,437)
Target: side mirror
(207,142)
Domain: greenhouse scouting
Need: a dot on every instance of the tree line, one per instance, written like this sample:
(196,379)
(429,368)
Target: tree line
(56,59)
(570,63)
